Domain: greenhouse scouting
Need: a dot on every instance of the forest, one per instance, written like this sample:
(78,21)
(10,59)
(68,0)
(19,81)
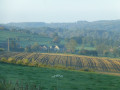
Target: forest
(97,38)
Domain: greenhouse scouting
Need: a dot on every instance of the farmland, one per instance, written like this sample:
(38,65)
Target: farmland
(24,38)
(76,62)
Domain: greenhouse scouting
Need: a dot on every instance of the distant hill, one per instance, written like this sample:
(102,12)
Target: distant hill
(95,25)
(27,24)
(79,28)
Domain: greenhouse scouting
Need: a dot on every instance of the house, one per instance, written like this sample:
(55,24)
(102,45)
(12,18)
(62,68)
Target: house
(43,47)
(51,47)
(56,48)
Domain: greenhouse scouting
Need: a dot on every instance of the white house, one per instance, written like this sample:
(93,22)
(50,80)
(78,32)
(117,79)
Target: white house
(56,47)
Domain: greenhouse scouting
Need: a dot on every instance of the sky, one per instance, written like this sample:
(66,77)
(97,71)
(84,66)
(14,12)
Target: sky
(58,10)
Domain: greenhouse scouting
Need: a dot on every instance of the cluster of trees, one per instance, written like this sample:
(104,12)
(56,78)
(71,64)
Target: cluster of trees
(103,49)
(71,45)
(103,36)
(100,48)
(33,48)
(56,38)
(2,50)
(14,45)
(88,52)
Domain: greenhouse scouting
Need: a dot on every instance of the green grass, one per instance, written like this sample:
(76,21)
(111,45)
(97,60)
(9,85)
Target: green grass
(4,35)
(85,47)
(25,39)
(72,80)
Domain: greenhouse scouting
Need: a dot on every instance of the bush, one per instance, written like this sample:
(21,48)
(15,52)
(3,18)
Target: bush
(3,59)
(2,49)
(19,62)
(33,63)
(87,70)
(11,60)
(88,52)
(70,68)
(25,62)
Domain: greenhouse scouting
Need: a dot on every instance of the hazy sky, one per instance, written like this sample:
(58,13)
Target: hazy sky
(58,10)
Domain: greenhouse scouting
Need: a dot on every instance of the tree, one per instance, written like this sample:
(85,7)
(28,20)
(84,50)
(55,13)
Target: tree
(1,49)
(88,52)
(35,47)
(71,45)
(27,49)
(55,34)
(56,39)
(78,39)
(116,52)
(102,49)
(14,45)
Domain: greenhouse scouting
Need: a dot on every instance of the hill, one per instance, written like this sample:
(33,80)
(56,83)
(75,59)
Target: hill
(65,61)
(95,29)
(23,38)
(65,29)
(95,25)
(98,38)
(42,78)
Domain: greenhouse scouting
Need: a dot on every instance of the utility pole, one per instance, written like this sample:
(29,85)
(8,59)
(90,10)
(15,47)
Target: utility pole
(8,45)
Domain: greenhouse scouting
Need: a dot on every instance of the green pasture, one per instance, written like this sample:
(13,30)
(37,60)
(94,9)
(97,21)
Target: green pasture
(24,38)
(71,80)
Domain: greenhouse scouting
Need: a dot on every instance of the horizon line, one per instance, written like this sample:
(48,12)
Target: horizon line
(62,22)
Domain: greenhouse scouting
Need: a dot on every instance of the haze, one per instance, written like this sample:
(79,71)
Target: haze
(58,10)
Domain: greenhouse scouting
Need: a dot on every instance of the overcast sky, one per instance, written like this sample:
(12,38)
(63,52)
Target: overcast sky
(58,10)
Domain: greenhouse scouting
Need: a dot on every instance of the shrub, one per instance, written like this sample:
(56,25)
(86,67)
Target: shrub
(88,52)
(33,63)
(3,59)
(19,62)
(11,60)
(87,70)
(2,49)
(25,62)
(39,65)
(70,68)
